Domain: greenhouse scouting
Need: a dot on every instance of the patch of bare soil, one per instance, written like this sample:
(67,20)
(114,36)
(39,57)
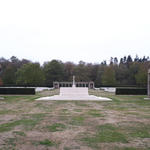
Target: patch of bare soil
(4,136)
(63,139)
(113,117)
(136,144)
(67,137)
(8,118)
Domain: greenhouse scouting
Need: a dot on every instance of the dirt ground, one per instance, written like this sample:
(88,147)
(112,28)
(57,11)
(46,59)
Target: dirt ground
(123,124)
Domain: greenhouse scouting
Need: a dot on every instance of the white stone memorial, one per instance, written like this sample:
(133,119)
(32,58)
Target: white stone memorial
(74,93)
(148,86)
(148,83)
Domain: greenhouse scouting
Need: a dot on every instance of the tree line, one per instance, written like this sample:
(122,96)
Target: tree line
(127,71)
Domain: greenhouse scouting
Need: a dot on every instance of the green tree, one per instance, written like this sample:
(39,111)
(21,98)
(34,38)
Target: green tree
(99,72)
(54,71)
(141,76)
(30,74)
(8,75)
(81,72)
(69,71)
(108,76)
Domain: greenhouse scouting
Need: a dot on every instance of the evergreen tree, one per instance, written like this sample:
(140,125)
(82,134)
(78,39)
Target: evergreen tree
(108,76)
(9,75)
(68,71)
(54,71)
(141,76)
(30,74)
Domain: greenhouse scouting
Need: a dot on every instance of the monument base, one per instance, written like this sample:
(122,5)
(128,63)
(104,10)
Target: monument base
(89,98)
(75,93)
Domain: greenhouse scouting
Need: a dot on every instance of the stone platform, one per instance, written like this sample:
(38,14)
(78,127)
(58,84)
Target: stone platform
(74,93)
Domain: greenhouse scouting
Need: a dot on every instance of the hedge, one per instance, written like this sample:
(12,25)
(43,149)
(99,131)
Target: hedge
(131,91)
(17,91)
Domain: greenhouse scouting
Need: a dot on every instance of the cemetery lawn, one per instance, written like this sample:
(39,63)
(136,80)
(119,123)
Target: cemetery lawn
(26,124)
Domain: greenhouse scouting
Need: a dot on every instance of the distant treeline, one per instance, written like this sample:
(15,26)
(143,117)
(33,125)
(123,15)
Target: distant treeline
(127,71)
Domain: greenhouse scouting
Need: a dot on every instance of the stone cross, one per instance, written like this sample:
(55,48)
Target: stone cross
(148,88)
(74,83)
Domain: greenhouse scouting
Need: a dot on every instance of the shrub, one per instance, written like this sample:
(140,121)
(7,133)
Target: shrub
(20,91)
(131,91)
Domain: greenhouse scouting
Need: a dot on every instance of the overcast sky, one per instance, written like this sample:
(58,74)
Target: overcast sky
(73,30)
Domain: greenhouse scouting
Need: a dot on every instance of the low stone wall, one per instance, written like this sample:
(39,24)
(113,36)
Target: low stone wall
(90,85)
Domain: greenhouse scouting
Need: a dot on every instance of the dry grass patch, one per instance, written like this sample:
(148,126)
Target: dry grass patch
(123,124)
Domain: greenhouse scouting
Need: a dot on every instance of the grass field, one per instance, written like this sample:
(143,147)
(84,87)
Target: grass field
(26,124)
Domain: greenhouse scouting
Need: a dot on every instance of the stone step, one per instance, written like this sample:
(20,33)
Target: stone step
(74,91)
(85,98)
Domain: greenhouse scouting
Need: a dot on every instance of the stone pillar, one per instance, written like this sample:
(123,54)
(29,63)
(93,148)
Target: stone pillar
(73,83)
(91,85)
(56,85)
(148,88)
